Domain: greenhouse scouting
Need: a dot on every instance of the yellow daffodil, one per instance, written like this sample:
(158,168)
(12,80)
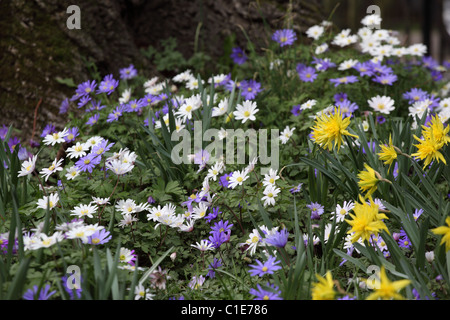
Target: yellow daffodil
(386,289)
(366,221)
(388,153)
(323,290)
(434,138)
(445,231)
(428,149)
(368,180)
(437,130)
(331,128)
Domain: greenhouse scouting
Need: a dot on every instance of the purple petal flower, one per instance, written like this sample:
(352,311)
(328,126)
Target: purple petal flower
(284,37)
(307,74)
(128,73)
(344,80)
(268,267)
(238,55)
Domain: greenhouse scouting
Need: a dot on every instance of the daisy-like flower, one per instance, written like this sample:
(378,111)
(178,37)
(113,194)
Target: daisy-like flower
(316,210)
(93,141)
(72,173)
(385,289)
(341,212)
(321,49)
(277,239)
(238,55)
(331,128)
(28,166)
(268,292)
(382,104)
(417,49)
(116,114)
(221,109)
(270,178)
(45,241)
(254,239)
(80,232)
(77,151)
(372,21)
(127,256)
(127,220)
(55,166)
(347,64)
(270,193)
(88,162)
(249,89)
(285,37)
(101,236)
(141,293)
(57,137)
(196,282)
(204,245)
(237,178)
(38,294)
(286,134)
(119,167)
(72,133)
(315,32)
(215,170)
(84,210)
(366,221)
(183,77)
(189,106)
(200,211)
(126,95)
(128,73)
(308,104)
(192,83)
(344,80)
(246,111)
(268,267)
(307,74)
(108,85)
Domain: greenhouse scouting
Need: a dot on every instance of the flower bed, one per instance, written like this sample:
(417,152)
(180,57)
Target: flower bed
(317,169)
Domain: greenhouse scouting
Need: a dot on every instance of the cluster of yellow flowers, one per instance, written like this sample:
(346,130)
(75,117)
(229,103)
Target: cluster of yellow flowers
(434,138)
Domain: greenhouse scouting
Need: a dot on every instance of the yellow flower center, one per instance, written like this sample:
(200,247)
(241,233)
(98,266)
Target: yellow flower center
(247,114)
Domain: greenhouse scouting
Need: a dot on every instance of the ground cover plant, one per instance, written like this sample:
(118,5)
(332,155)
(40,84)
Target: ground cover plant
(316,168)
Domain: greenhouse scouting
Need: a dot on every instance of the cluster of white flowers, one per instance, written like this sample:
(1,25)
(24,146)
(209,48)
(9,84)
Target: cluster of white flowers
(76,229)
(271,191)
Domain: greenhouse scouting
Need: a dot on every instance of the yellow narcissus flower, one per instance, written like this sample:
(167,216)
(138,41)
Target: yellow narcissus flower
(366,221)
(445,231)
(368,180)
(331,128)
(323,290)
(388,153)
(435,137)
(428,149)
(386,289)
(436,129)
